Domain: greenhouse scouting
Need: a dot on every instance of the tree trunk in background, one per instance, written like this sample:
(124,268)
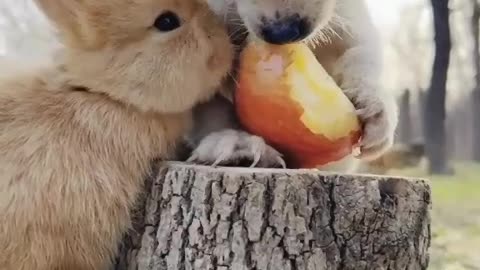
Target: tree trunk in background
(419,115)
(436,97)
(460,129)
(476,92)
(205,218)
(405,126)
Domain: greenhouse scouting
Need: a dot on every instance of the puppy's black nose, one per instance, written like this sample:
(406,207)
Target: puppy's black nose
(285,31)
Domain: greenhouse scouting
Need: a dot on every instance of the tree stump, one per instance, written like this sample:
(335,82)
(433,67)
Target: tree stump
(196,217)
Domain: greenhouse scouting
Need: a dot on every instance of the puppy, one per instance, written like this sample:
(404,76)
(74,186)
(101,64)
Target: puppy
(77,138)
(345,42)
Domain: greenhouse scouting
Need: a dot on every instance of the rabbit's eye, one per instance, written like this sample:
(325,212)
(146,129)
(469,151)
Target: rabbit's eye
(167,21)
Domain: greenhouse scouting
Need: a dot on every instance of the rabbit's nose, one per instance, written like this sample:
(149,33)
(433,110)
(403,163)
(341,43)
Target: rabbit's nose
(287,30)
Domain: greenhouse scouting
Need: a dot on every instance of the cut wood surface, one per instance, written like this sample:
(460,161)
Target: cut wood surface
(195,217)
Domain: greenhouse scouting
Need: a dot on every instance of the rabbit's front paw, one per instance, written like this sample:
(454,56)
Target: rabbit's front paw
(233,147)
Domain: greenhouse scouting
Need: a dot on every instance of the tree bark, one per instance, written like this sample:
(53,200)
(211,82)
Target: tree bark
(197,217)
(419,114)
(476,91)
(405,127)
(436,98)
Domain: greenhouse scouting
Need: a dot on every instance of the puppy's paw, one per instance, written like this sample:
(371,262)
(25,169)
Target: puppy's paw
(378,114)
(231,147)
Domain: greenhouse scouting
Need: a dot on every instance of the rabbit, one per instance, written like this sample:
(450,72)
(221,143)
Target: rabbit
(344,40)
(78,136)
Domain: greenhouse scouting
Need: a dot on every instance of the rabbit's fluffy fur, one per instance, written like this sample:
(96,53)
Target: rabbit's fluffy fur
(78,137)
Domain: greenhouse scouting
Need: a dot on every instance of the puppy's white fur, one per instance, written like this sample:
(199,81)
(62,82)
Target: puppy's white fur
(345,42)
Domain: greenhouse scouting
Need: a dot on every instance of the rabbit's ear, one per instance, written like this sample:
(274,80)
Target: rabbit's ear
(70,18)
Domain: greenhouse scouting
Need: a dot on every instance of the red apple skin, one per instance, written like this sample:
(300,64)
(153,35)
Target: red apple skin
(275,117)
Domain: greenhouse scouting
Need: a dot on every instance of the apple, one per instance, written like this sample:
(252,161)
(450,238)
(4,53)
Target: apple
(285,96)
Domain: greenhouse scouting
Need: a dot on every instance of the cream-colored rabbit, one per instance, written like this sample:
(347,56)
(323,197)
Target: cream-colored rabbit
(77,139)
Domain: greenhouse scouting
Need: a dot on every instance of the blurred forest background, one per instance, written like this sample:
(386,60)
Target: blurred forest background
(432,64)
